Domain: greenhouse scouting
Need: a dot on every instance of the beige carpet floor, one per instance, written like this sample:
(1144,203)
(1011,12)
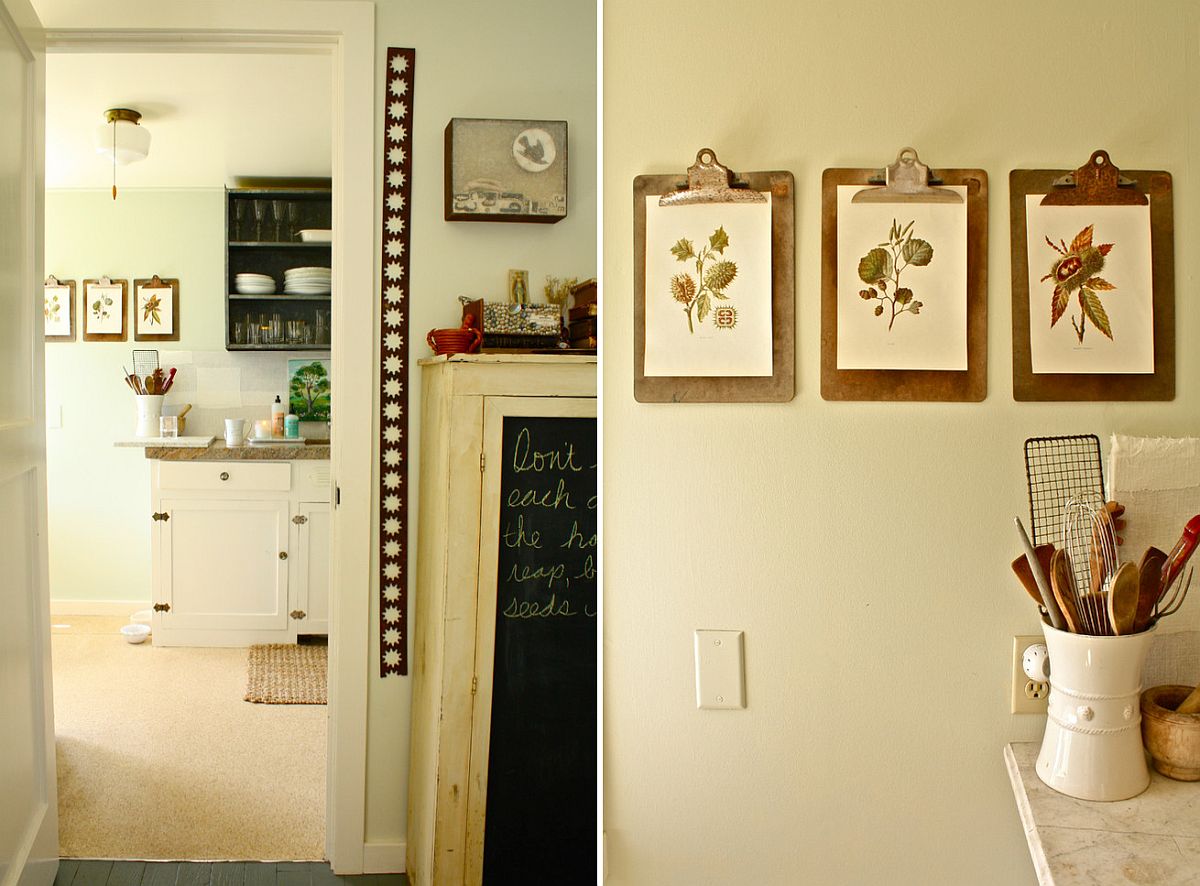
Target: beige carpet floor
(160,758)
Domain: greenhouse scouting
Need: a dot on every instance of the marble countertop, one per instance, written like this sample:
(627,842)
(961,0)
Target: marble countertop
(218,451)
(1152,838)
(173,442)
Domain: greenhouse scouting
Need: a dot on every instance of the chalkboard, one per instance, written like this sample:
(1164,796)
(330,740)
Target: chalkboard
(541,787)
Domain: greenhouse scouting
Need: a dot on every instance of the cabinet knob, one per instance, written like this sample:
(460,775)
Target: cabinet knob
(224,475)
(283,555)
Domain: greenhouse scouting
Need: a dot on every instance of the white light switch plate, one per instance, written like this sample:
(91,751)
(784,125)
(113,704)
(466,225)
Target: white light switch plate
(720,678)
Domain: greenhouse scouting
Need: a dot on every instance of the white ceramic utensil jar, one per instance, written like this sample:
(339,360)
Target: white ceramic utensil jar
(149,411)
(1092,748)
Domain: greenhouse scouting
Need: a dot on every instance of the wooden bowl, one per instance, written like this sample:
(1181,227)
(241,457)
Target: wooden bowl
(1172,739)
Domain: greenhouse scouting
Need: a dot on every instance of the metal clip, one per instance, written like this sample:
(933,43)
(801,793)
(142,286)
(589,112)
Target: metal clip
(906,181)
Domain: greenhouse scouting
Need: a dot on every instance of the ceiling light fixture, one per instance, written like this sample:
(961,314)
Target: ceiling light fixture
(123,139)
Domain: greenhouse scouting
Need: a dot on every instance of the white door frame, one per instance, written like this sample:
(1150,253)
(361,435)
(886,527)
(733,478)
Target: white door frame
(346,30)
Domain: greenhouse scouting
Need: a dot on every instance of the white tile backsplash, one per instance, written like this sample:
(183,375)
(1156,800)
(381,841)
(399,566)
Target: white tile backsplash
(231,384)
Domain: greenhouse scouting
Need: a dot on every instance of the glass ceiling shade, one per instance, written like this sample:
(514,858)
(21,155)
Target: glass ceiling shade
(123,139)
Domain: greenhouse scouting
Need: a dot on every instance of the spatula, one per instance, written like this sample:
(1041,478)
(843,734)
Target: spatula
(1149,587)
(1123,597)
(1064,590)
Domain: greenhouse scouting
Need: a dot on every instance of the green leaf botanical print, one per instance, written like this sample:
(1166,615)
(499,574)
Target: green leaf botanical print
(53,307)
(1075,269)
(880,269)
(712,282)
(151,311)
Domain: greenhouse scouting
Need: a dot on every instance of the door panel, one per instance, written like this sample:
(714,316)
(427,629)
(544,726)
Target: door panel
(29,802)
(221,566)
(313,568)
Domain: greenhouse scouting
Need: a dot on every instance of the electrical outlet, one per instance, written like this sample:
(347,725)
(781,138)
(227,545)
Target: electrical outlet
(1028,696)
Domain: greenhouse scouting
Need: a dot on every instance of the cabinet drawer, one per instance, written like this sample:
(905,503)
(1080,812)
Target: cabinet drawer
(220,475)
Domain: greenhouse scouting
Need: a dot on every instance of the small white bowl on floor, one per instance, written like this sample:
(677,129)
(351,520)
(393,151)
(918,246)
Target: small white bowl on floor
(135,633)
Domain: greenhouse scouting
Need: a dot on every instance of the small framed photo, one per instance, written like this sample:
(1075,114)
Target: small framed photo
(156,309)
(59,310)
(506,170)
(518,287)
(104,316)
(309,389)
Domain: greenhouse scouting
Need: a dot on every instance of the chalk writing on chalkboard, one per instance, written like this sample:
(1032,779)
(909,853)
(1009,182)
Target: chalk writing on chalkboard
(541,789)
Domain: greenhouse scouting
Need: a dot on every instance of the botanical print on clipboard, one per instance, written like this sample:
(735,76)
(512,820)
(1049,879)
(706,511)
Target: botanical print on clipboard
(57,313)
(104,307)
(708,289)
(154,311)
(902,283)
(1091,298)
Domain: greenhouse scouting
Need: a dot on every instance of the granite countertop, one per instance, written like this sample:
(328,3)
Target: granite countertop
(1152,838)
(218,451)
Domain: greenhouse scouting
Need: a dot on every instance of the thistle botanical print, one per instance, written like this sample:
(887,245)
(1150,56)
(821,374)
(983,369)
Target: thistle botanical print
(698,292)
(706,294)
(1077,268)
(880,269)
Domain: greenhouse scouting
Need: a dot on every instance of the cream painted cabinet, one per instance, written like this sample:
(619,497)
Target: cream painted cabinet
(453,611)
(239,551)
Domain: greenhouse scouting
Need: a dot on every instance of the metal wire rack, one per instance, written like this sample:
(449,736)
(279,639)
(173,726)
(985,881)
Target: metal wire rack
(1060,469)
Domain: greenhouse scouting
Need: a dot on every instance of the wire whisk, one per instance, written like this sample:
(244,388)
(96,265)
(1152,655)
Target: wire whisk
(1090,542)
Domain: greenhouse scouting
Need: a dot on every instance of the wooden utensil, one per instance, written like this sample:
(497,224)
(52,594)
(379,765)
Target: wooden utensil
(1020,566)
(1123,600)
(1064,590)
(1104,542)
(1191,704)
(1149,587)
(1043,580)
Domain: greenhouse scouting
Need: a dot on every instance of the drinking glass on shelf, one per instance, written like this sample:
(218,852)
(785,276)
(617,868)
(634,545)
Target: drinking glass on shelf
(293,219)
(239,333)
(239,214)
(260,209)
(280,207)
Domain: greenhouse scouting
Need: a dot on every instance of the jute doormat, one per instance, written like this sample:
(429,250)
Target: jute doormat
(281,673)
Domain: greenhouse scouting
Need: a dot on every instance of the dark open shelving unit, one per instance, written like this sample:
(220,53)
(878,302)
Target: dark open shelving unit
(251,247)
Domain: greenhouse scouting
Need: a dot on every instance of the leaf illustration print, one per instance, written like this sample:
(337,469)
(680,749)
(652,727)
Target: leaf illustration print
(881,268)
(1076,268)
(151,308)
(698,292)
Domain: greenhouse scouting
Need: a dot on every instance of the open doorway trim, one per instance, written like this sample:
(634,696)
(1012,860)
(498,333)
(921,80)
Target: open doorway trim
(346,30)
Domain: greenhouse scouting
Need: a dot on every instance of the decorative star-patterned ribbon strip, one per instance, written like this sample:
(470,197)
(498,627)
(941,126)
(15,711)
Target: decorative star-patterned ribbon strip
(393,355)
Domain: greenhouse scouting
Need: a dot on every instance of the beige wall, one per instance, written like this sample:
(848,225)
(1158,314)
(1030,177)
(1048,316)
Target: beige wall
(863,548)
(475,58)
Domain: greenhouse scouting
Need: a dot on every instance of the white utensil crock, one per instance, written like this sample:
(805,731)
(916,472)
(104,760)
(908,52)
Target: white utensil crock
(1092,748)
(149,411)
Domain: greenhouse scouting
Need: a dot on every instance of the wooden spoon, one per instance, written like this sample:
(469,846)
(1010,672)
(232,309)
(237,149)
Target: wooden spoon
(1123,598)
(1064,590)
(1020,566)
(1149,587)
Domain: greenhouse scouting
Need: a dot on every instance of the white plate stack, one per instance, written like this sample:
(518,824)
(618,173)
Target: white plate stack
(307,281)
(254,284)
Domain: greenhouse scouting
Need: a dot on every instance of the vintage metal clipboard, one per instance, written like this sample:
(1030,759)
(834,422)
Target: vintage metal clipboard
(907,180)
(1097,183)
(710,182)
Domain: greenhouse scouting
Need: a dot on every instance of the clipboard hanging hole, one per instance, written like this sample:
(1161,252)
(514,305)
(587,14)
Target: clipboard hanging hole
(1100,158)
(705,157)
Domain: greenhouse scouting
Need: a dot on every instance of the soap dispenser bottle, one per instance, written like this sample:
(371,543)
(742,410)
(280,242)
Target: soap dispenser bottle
(277,416)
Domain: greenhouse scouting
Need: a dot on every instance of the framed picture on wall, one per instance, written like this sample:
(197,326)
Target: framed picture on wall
(104,310)
(59,310)
(506,170)
(156,309)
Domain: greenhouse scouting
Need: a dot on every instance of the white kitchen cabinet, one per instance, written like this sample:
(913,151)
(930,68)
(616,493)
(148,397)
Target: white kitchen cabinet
(239,551)
(454,607)
(310,542)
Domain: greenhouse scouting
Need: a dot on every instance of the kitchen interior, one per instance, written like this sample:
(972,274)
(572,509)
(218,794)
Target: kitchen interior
(216,538)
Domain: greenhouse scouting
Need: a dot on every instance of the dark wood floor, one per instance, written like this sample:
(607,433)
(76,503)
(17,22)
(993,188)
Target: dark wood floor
(74,872)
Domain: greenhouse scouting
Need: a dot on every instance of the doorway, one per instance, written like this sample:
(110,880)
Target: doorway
(351,49)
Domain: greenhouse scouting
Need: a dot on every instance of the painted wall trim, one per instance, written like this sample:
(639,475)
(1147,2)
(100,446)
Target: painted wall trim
(384,858)
(124,608)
